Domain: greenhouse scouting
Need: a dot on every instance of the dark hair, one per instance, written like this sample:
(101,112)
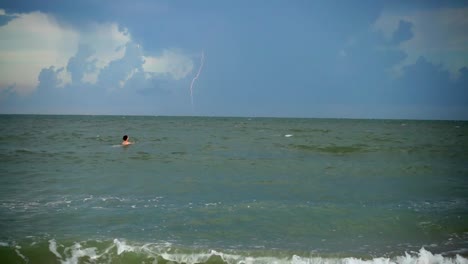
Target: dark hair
(125,137)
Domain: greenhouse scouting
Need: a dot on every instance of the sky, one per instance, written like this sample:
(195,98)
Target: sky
(263,58)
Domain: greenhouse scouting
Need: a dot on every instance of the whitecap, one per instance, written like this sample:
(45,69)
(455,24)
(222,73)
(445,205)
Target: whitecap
(77,252)
(122,247)
(53,248)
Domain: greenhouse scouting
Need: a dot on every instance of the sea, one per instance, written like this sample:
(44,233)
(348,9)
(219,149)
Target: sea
(232,190)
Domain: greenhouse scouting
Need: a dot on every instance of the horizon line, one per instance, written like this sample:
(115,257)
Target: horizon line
(229,116)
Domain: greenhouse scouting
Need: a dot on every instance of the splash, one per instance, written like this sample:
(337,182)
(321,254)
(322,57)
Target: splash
(196,76)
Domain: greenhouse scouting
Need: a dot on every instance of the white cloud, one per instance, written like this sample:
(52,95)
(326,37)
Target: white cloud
(107,42)
(34,41)
(31,42)
(439,35)
(172,62)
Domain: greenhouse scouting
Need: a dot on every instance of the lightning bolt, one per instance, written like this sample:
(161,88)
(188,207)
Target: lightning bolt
(196,76)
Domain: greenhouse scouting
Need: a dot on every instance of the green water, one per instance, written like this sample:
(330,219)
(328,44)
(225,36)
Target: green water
(259,187)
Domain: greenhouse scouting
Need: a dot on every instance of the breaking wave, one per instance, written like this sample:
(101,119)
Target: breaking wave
(121,251)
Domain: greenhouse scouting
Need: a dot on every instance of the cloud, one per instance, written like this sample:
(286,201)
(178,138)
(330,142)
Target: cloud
(403,32)
(82,63)
(107,43)
(439,35)
(30,43)
(421,84)
(426,84)
(172,62)
(49,78)
(36,48)
(5,18)
(118,72)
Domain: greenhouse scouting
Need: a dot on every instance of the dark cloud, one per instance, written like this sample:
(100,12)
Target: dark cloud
(48,78)
(424,83)
(80,64)
(421,84)
(6,93)
(463,78)
(403,32)
(65,11)
(119,70)
(424,4)
(4,19)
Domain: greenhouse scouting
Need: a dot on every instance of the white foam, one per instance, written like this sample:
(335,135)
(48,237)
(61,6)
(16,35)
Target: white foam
(4,244)
(461,260)
(164,250)
(74,253)
(77,252)
(88,198)
(423,257)
(288,135)
(53,248)
(57,203)
(123,247)
(104,199)
(186,258)
(21,255)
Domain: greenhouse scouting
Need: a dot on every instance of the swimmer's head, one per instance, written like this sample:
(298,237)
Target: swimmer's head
(125,137)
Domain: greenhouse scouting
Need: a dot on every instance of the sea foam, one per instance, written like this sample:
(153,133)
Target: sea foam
(78,252)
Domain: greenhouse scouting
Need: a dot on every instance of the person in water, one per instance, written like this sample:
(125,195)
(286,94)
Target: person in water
(125,141)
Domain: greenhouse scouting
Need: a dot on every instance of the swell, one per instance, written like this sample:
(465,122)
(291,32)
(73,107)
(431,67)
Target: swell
(332,149)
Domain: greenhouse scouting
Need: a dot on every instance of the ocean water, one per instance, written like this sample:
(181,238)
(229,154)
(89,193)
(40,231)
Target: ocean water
(232,190)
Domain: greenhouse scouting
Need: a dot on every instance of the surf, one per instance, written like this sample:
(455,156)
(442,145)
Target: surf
(122,251)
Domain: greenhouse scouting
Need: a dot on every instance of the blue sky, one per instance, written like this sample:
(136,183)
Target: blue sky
(340,59)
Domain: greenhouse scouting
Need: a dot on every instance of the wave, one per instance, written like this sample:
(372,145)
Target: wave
(356,148)
(121,251)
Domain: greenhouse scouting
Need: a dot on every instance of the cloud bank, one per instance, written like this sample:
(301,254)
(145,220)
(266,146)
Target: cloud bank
(39,52)
(439,35)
